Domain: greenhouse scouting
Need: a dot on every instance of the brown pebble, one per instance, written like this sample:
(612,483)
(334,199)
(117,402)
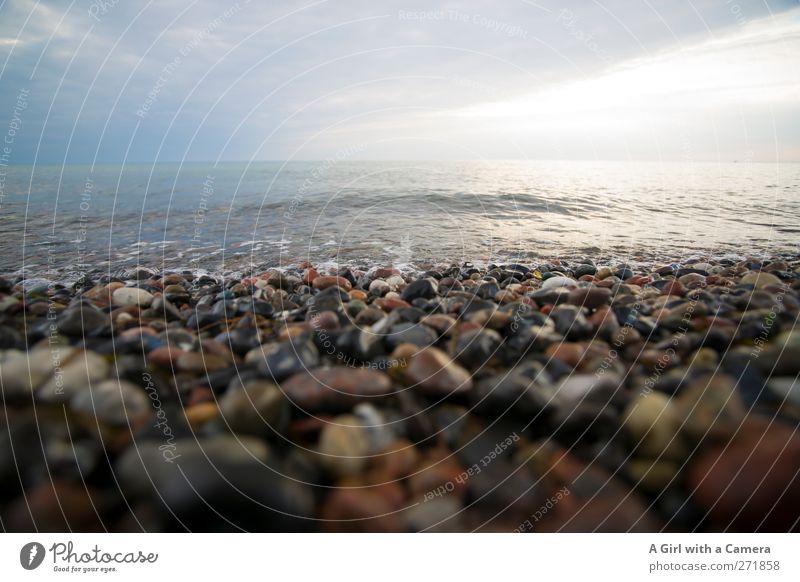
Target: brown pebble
(433,372)
(324,281)
(751,484)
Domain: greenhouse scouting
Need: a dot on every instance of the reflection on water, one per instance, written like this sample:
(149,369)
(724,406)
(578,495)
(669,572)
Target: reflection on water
(270,213)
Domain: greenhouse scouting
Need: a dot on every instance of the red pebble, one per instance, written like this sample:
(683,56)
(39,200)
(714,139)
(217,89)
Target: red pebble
(323,282)
(390,304)
(673,288)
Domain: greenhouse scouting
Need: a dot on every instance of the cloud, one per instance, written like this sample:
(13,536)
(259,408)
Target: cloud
(753,67)
(508,79)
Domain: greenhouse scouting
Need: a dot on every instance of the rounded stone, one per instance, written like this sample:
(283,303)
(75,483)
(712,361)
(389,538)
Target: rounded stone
(653,423)
(257,408)
(352,510)
(604,273)
(21,372)
(424,288)
(75,376)
(589,297)
(344,446)
(673,288)
(397,460)
(56,505)
(475,348)
(220,483)
(200,363)
(750,484)
(431,371)
(787,387)
(390,304)
(81,321)
(323,282)
(554,282)
(396,282)
(116,402)
(439,469)
(126,296)
(165,356)
(711,407)
(759,280)
(438,515)
(280,360)
(653,476)
(335,389)
(409,333)
(358,295)
(201,413)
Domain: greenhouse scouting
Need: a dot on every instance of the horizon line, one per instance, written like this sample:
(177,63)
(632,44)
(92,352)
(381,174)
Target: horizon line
(401,160)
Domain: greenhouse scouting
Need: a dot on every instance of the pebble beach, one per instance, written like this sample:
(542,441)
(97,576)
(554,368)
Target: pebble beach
(550,396)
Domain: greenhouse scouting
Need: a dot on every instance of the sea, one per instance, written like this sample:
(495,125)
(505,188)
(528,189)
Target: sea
(67,221)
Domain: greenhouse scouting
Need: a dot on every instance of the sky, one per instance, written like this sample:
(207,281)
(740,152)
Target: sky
(112,81)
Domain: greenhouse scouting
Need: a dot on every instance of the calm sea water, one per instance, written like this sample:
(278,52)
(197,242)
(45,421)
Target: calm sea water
(231,215)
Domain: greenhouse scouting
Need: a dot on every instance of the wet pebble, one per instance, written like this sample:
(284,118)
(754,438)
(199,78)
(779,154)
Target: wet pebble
(115,402)
(132,296)
(335,389)
(432,372)
(256,408)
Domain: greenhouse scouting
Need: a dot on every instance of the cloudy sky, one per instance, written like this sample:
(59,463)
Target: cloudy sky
(108,81)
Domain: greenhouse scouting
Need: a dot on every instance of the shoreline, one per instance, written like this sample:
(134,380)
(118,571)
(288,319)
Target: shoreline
(639,396)
(243,266)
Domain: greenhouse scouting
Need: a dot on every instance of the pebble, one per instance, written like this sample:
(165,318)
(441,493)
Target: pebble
(750,484)
(116,402)
(165,356)
(21,372)
(475,348)
(710,407)
(279,361)
(570,322)
(780,357)
(323,282)
(410,333)
(77,375)
(436,470)
(421,288)
(653,424)
(214,483)
(787,387)
(360,510)
(81,321)
(589,297)
(335,389)
(653,476)
(379,287)
(521,391)
(258,408)
(432,372)
(200,362)
(760,280)
(659,396)
(201,413)
(603,273)
(390,304)
(126,296)
(57,506)
(440,515)
(555,282)
(344,445)
(397,460)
